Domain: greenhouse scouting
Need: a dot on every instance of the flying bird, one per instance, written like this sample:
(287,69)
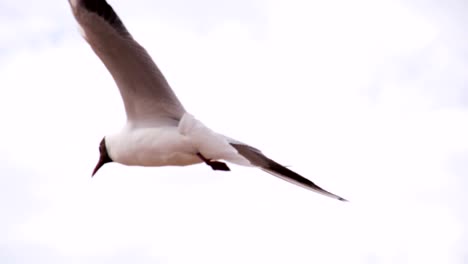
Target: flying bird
(159,131)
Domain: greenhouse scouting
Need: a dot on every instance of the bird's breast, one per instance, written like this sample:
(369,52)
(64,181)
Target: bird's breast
(154,147)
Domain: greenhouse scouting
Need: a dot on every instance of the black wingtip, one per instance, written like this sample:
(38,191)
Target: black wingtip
(104,10)
(257,158)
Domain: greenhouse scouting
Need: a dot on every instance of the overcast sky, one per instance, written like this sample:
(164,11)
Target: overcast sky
(367,99)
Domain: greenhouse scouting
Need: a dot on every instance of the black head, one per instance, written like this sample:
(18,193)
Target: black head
(104,156)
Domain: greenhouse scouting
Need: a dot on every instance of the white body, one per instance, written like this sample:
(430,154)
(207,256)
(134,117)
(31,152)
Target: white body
(169,145)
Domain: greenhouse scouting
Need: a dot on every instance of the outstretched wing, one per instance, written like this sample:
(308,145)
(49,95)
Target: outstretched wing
(257,158)
(148,98)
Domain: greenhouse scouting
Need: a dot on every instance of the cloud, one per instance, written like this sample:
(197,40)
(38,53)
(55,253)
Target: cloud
(369,106)
(17,198)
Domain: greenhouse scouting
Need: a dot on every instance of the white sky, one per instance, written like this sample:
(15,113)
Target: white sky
(368,100)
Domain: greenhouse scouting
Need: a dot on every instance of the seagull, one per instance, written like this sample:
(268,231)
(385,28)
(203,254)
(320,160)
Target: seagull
(159,131)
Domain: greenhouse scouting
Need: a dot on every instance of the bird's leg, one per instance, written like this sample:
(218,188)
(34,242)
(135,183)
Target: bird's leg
(215,165)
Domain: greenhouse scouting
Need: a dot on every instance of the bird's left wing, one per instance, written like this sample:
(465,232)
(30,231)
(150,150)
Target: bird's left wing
(257,158)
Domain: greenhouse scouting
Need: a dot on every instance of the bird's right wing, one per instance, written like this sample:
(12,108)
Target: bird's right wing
(257,158)
(148,98)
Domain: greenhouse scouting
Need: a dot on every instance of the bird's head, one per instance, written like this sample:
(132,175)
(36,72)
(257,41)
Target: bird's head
(103,156)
